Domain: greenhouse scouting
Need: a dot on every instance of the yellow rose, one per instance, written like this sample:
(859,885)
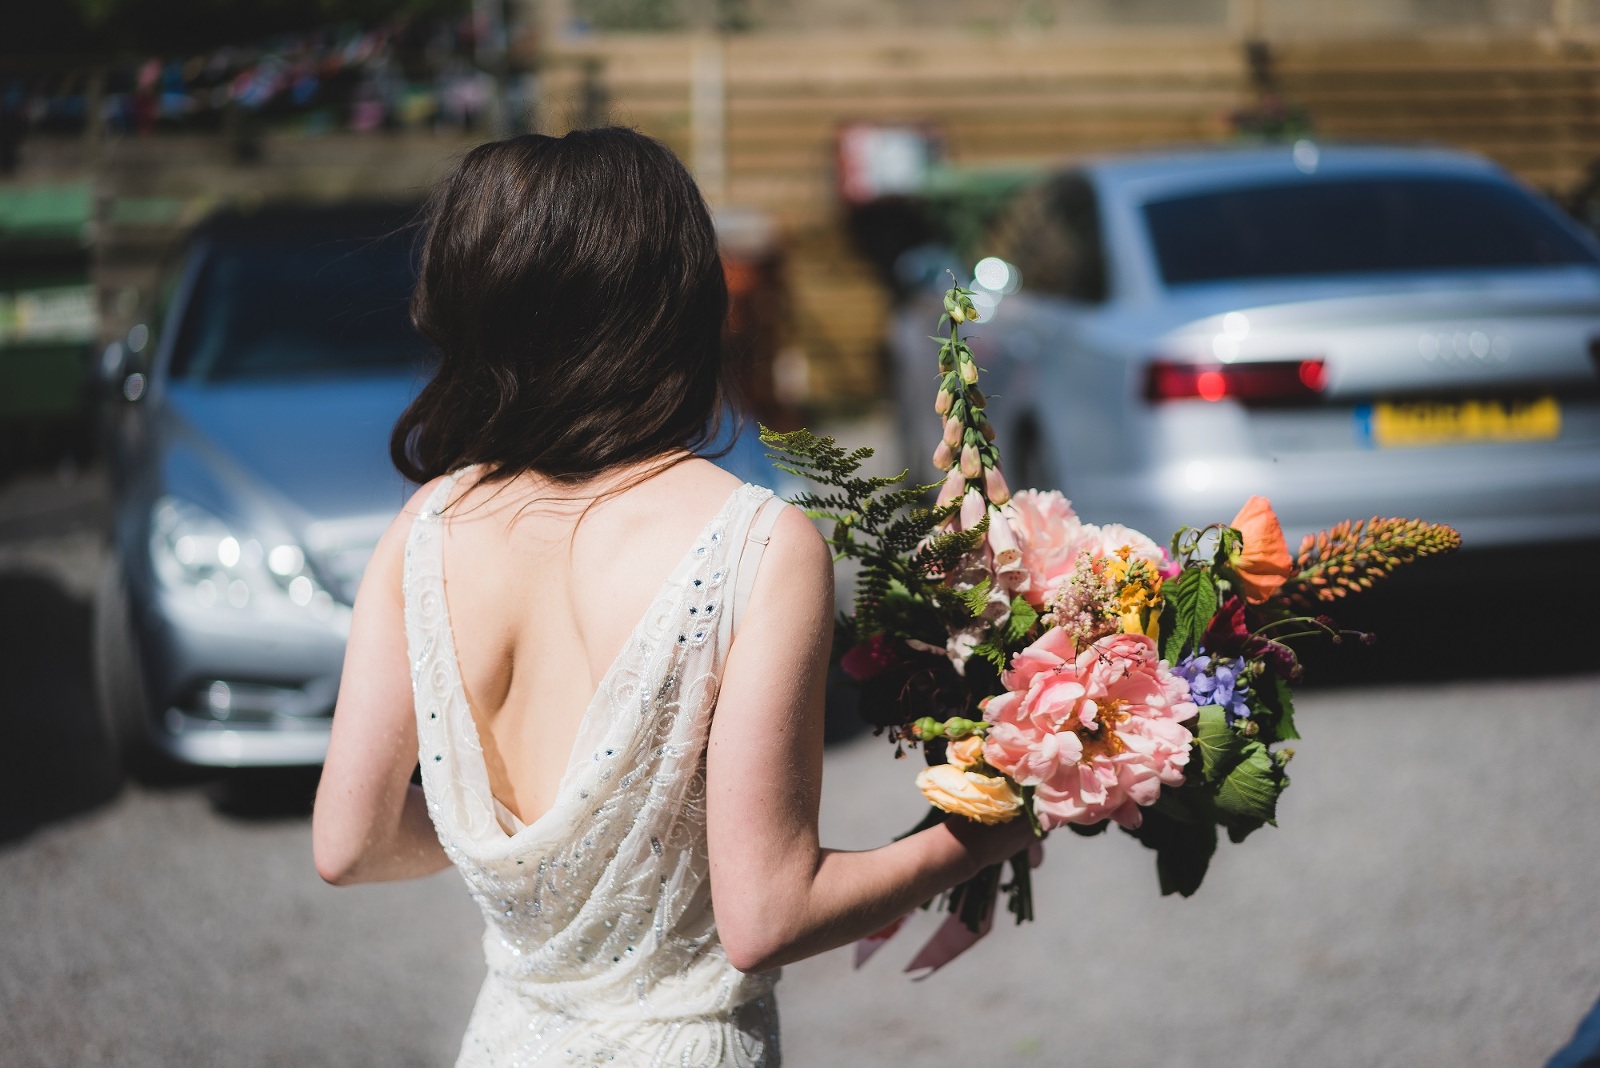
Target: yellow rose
(984,798)
(967,752)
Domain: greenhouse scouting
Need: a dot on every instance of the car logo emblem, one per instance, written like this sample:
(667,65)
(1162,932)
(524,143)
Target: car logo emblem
(1464,347)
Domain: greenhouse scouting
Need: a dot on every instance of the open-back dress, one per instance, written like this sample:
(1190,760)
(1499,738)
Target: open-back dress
(601,944)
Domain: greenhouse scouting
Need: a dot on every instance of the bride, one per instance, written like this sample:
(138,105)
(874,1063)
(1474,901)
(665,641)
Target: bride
(606,654)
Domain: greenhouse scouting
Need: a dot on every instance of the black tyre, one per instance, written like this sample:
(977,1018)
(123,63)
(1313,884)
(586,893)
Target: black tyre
(119,689)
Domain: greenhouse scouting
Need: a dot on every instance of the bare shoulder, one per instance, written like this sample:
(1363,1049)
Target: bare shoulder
(796,541)
(797,568)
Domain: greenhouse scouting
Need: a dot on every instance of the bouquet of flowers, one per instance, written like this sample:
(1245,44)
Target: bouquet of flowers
(1072,674)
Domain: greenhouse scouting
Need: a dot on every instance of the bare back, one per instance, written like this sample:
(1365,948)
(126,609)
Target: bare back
(540,604)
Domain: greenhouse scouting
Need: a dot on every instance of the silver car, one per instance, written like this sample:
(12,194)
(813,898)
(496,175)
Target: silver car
(1349,331)
(247,426)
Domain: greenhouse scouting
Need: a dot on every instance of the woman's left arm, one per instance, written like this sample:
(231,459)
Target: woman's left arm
(371,823)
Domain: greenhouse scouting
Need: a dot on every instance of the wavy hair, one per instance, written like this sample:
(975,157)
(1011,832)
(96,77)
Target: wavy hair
(573,288)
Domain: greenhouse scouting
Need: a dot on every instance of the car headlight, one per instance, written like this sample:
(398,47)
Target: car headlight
(194,551)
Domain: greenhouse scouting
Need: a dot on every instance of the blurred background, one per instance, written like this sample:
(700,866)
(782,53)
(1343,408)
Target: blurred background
(1338,253)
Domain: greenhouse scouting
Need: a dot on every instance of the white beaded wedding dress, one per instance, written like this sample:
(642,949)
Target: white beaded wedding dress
(600,940)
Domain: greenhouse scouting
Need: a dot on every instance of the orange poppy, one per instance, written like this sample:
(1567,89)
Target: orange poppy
(1263,563)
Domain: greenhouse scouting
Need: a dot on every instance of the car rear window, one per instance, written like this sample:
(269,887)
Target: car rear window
(299,306)
(1356,226)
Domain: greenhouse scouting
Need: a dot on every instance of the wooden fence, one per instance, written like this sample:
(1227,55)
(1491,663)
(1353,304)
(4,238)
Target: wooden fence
(758,116)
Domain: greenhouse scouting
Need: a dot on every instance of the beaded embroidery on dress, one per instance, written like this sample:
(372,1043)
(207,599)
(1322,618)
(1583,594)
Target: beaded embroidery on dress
(599,936)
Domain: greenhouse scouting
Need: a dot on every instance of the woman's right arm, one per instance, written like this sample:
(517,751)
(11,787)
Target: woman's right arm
(370,824)
(779,896)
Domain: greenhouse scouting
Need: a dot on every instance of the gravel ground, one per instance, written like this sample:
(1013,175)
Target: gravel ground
(1429,900)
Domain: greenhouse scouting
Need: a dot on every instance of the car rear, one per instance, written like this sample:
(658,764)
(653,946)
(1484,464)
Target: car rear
(1393,342)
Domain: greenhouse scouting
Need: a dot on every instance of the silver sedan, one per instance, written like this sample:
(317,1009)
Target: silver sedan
(1349,331)
(247,427)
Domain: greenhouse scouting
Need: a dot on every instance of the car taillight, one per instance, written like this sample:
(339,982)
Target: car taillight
(1267,383)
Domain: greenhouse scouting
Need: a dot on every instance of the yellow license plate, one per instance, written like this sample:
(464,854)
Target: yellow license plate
(1416,423)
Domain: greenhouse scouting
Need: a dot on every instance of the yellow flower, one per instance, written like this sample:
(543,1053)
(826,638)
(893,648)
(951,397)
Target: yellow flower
(1140,608)
(984,798)
(967,752)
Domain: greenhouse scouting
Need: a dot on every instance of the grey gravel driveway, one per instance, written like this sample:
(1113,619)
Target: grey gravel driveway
(1432,898)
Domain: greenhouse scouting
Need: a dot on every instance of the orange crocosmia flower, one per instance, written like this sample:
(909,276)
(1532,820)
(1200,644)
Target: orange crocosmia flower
(1264,562)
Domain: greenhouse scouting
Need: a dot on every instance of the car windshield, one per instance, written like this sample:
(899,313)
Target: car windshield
(1356,226)
(299,306)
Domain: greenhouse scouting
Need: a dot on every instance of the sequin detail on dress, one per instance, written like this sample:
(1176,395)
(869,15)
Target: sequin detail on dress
(600,941)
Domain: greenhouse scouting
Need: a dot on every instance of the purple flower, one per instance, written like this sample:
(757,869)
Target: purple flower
(1217,680)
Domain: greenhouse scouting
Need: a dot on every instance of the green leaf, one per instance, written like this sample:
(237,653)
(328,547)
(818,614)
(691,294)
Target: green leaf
(1183,849)
(1193,595)
(1251,789)
(1186,803)
(1221,747)
(1171,638)
(1284,698)
(1023,617)
(977,598)
(1239,829)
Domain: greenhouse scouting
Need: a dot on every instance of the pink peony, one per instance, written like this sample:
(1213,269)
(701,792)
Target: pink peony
(1114,536)
(1096,733)
(1052,537)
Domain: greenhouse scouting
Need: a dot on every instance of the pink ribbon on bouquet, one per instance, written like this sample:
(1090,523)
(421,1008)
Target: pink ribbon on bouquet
(952,939)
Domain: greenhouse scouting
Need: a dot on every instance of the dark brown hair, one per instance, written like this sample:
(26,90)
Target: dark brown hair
(573,288)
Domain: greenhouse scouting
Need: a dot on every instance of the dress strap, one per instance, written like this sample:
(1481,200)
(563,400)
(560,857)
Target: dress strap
(756,539)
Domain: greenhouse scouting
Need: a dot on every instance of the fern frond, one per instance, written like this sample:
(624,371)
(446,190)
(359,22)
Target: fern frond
(941,552)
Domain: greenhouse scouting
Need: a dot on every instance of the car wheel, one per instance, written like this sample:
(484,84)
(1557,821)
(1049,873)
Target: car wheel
(119,682)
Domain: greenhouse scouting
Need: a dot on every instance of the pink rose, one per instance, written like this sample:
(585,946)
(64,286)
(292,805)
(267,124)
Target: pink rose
(1097,734)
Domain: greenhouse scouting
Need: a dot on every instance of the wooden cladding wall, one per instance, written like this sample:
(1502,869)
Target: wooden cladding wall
(782,100)
(757,116)
(1532,104)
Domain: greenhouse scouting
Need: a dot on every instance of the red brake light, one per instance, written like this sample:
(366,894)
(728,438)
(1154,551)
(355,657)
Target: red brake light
(1274,382)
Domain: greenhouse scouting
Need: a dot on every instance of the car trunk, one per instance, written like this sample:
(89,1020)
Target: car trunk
(1476,404)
